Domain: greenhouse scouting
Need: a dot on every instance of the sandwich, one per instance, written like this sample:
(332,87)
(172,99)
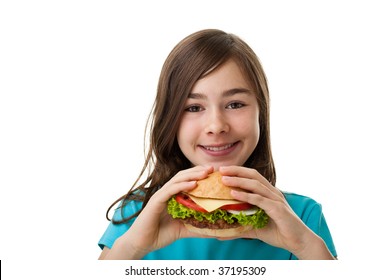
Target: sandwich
(209,209)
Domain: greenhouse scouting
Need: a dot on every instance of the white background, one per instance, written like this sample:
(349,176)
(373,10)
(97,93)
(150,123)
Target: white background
(78,78)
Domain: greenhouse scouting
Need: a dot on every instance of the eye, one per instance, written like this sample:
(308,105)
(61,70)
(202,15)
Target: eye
(235,105)
(193,108)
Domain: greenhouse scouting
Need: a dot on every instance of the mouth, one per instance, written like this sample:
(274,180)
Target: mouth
(219,150)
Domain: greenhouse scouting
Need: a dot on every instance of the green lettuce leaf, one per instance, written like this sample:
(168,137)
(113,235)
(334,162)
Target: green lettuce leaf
(179,211)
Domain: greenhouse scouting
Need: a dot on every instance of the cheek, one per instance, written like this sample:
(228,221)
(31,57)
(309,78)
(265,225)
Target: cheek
(185,133)
(248,125)
(251,132)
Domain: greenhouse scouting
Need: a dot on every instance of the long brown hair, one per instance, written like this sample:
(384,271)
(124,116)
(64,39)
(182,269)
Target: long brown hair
(191,59)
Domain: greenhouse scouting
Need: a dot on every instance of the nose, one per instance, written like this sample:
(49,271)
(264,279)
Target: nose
(216,123)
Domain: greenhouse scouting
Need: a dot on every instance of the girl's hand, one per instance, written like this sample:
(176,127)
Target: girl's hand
(285,229)
(154,228)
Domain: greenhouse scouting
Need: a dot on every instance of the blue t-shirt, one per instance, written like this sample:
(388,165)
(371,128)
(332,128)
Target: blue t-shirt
(306,208)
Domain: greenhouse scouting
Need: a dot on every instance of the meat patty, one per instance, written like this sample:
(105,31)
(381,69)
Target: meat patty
(219,224)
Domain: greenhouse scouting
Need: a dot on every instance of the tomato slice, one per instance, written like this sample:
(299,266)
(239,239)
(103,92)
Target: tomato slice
(188,202)
(238,207)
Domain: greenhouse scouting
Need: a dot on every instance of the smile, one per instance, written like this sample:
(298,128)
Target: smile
(218,148)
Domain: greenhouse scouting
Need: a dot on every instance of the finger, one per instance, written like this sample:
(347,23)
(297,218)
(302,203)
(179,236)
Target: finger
(184,180)
(174,188)
(251,185)
(276,209)
(240,171)
(194,173)
(231,172)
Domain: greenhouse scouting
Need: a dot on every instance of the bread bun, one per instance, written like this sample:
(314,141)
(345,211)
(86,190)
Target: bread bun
(227,232)
(212,187)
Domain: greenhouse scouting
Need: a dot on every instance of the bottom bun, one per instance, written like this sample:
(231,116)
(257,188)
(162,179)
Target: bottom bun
(228,232)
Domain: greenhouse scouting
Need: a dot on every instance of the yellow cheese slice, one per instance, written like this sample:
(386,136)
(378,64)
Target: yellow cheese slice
(212,204)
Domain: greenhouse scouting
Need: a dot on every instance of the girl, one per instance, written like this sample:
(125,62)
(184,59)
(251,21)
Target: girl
(212,113)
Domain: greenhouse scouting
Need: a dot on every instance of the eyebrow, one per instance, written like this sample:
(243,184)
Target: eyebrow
(226,93)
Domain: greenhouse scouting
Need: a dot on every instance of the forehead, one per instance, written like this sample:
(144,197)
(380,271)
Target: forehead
(226,76)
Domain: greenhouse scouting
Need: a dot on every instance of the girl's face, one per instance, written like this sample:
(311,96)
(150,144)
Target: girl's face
(220,124)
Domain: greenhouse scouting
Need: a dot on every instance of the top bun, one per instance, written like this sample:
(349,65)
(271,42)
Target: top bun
(212,187)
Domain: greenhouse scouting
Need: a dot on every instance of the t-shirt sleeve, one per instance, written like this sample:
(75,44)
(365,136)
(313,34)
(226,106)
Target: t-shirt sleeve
(114,231)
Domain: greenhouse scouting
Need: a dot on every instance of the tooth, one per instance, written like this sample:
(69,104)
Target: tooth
(215,149)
